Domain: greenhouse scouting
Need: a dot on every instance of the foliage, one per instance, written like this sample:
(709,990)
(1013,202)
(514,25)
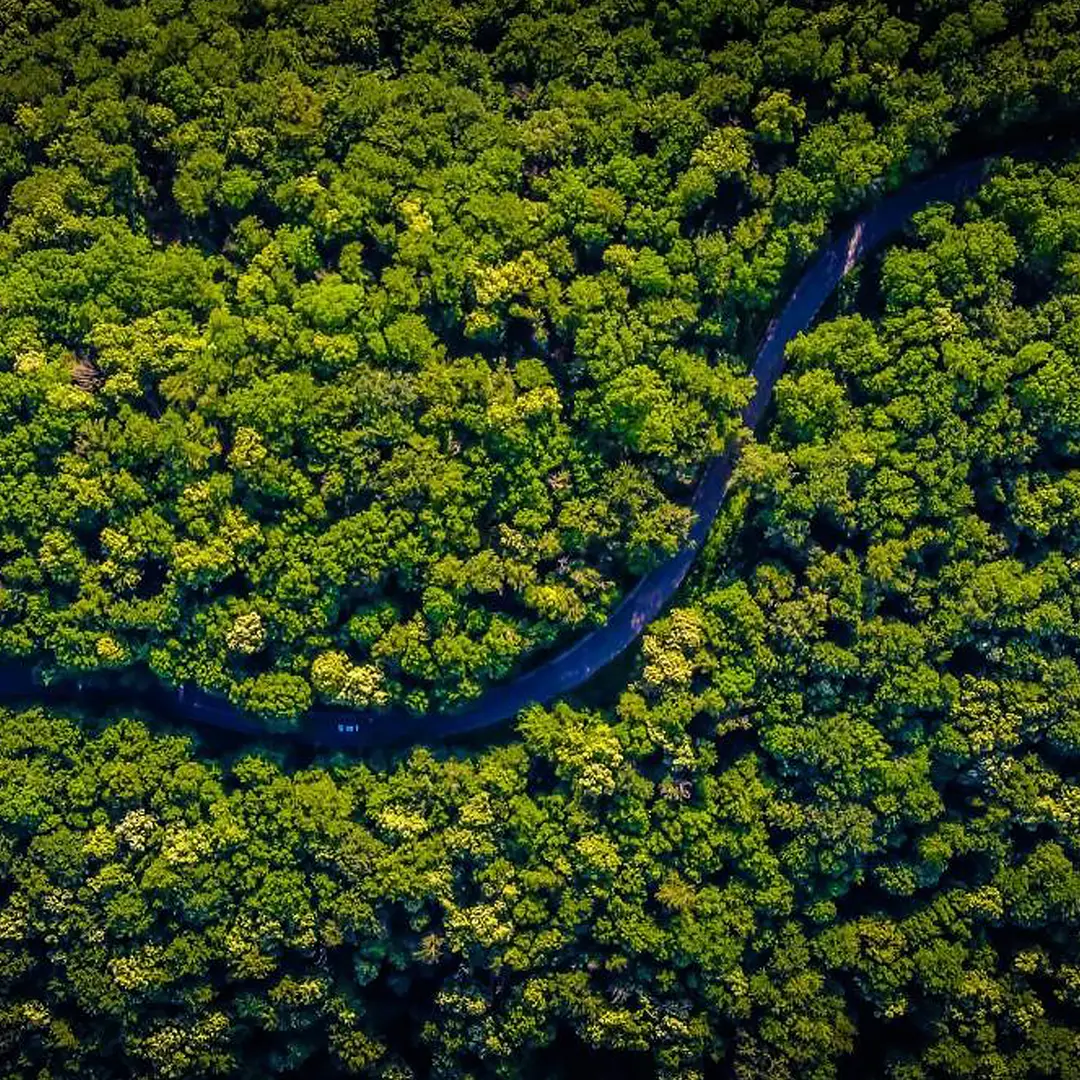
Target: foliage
(830,827)
(358,350)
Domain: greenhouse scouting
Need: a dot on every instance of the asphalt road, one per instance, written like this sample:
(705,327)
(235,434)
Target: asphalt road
(581,661)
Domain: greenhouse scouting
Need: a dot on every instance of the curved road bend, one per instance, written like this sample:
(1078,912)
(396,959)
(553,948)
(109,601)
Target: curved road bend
(581,661)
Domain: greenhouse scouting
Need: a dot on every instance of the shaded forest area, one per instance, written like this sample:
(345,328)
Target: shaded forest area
(356,352)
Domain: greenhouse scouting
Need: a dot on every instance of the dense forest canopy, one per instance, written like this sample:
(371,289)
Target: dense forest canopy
(829,828)
(356,351)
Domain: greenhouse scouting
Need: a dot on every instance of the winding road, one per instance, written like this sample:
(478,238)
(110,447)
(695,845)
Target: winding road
(326,727)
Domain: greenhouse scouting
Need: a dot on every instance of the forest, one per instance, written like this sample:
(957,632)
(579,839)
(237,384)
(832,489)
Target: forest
(363,353)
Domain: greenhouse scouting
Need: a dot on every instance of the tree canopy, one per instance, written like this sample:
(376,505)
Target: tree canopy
(356,351)
(828,828)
